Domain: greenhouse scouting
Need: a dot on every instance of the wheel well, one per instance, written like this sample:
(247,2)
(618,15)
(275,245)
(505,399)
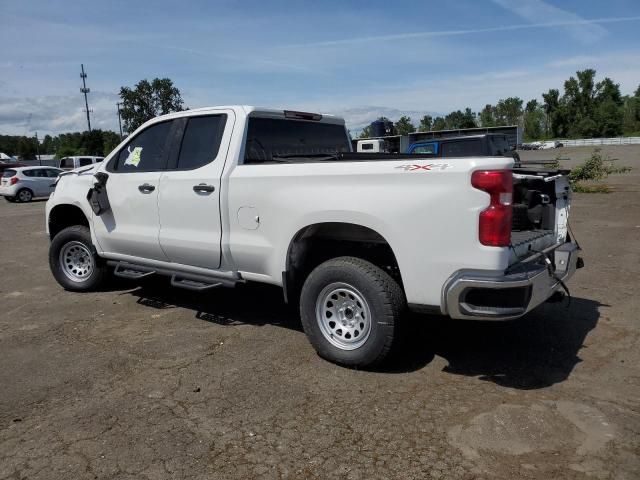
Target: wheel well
(320,242)
(64,216)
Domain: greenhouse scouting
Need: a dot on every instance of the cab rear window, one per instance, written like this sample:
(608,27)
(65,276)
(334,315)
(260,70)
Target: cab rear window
(271,138)
(462,148)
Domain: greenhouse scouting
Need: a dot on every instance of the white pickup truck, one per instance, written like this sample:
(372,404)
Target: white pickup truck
(218,196)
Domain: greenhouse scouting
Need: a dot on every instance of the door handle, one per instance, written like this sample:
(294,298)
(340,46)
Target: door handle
(204,188)
(146,188)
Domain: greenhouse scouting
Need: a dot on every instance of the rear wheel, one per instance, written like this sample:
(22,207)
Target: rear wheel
(25,195)
(73,260)
(350,311)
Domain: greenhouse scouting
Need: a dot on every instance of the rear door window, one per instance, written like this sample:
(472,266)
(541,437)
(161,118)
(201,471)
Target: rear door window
(85,161)
(462,148)
(29,173)
(66,163)
(201,141)
(273,139)
(146,152)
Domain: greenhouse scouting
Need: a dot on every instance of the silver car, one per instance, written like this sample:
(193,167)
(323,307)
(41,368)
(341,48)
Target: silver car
(23,184)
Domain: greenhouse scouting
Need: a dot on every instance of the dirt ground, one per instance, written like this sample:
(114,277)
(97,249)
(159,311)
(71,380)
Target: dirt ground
(142,381)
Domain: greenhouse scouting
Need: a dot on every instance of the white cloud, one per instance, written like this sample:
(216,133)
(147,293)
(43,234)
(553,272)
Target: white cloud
(56,114)
(585,31)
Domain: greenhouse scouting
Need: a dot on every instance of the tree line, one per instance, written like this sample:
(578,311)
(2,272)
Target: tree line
(146,100)
(585,109)
(95,142)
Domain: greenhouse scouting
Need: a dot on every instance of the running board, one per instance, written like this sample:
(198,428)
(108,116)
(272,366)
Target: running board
(190,281)
(131,272)
(194,285)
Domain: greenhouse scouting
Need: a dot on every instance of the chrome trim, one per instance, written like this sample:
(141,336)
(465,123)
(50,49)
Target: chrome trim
(535,276)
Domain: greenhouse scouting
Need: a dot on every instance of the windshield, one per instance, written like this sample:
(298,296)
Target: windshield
(270,139)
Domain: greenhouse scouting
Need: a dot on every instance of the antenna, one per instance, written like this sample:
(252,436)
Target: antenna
(85,90)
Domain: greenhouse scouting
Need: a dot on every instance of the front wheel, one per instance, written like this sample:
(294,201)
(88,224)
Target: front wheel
(350,311)
(74,262)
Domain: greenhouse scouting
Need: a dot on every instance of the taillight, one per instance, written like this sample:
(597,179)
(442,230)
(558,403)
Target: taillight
(14,180)
(495,220)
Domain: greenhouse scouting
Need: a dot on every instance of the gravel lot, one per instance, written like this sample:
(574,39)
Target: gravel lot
(142,381)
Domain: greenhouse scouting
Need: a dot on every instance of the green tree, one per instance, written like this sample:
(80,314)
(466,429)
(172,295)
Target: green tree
(508,111)
(439,124)
(609,110)
(425,123)
(48,146)
(404,126)
(366,132)
(468,119)
(110,141)
(148,100)
(556,114)
(26,148)
(533,120)
(487,116)
(631,113)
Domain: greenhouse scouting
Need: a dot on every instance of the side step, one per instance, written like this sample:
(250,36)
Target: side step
(190,281)
(131,272)
(193,284)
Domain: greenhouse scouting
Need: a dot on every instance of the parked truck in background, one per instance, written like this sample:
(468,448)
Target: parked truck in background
(220,196)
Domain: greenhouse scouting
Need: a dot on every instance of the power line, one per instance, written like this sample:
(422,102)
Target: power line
(85,90)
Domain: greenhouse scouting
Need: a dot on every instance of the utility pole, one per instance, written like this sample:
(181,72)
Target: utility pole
(38,150)
(119,121)
(85,90)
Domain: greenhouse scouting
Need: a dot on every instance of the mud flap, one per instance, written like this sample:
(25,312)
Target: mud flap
(97,196)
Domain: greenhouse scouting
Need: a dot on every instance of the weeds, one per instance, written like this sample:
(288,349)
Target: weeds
(596,168)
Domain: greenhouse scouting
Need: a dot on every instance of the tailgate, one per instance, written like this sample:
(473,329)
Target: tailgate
(541,201)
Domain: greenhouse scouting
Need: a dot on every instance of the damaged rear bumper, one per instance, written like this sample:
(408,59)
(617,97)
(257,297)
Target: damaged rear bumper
(491,295)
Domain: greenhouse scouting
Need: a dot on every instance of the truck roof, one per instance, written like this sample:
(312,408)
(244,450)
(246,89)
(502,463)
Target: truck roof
(256,111)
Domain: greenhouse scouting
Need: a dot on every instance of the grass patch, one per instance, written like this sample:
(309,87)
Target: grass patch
(599,188)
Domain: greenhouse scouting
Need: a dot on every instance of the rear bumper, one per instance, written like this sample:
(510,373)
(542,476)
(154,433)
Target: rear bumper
(8,191)
(491,295)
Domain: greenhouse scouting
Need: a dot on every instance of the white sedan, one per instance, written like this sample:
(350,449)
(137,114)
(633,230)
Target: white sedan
(23,184)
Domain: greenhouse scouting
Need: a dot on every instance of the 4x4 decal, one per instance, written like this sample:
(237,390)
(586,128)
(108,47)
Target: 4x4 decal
(429,166)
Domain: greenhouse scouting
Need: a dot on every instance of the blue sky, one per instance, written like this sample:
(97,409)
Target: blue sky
(359,59)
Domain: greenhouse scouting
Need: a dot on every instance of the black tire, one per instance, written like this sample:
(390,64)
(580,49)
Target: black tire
(382,295)
(77,236)
(24,195)
(10,199)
